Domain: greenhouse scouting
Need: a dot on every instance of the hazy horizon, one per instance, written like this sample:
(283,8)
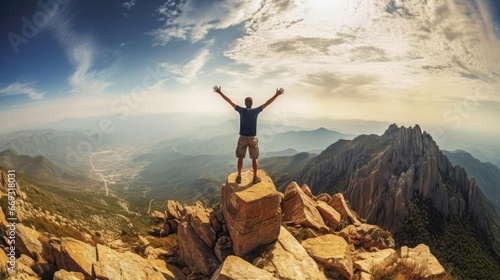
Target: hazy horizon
(434,64)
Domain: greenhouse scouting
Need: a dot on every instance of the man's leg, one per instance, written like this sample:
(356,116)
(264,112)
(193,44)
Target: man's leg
(255,166)
(240,165)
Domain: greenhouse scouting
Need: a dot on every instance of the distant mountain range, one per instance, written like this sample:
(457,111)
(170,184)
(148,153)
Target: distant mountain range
(301,141)
(40,170)
(486,175)
(286,164)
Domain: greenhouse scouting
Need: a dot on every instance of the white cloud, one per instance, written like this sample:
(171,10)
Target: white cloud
(128,4)
(189,71)
(193,19)
(86,79)
(409,46)
(22,88)
(82,52)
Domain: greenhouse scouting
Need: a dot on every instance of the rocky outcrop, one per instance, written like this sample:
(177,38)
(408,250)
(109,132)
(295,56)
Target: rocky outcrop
(199,217)
(236,268)
(381,173)
(194,252)
(287,259)
(331,251)
(252,211)
(421,262)
(301,209)
(174,210)
(172,216)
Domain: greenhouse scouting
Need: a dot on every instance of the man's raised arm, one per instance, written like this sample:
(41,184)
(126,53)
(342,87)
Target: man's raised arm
(279,92)
(218,90)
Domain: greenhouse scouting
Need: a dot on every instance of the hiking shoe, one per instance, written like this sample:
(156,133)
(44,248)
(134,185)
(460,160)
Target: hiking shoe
(238,179)
(256,180)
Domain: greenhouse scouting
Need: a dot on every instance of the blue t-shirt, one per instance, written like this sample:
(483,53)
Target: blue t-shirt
(248,120)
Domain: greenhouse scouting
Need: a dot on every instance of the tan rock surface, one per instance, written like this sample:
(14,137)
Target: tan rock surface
(331,217)
(332,251)
(199,218)
(287,259)
(236,268)
(27,241)
(369,260)
(338,203)
(252,211)
(301,209)
(323,197)
(113,265)
(3,221)
(194,252)
(75,255)
(67,275)
(422,261)
(307,191)
(174,210)
(158,215)
(169,271)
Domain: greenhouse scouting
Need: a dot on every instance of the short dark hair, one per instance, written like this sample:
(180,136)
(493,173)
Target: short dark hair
(248,102)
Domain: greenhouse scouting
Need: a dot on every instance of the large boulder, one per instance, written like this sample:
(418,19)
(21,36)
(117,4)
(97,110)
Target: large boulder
(174,210)
(340,205)
(373,262)
(74,255)
(199,218)
(113,265)
(422,262)
(194,252)
(27,241)
(332,251)
(236,268)
(287,259)
(331,217)
(301,209)
(252,211)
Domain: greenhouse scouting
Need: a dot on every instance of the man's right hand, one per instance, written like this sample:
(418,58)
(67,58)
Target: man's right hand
(217,89)
(280,91)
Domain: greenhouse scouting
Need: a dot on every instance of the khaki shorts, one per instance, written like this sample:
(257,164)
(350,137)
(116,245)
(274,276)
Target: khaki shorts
(253,147)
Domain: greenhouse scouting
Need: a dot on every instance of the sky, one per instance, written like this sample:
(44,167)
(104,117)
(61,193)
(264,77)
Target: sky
(435,62)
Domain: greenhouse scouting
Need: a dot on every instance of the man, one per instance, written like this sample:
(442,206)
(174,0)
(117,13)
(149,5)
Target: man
(248,131)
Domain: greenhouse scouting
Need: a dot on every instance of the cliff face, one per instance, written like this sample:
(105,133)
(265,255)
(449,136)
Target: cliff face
(380,174)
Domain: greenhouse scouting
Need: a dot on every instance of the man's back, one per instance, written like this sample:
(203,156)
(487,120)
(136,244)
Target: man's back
(248,120)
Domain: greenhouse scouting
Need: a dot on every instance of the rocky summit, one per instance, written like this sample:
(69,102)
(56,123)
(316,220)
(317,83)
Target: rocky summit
(264,234)
(255,233)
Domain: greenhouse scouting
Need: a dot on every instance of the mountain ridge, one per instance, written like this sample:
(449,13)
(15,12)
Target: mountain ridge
(486,174)
(401,174)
